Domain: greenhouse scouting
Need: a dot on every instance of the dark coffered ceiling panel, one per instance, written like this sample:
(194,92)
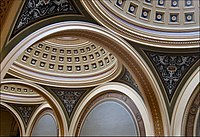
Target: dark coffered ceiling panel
(172,68)
(36,10)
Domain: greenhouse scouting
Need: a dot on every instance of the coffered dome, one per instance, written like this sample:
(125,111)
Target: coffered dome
(167,22)
(66,61)
(168,15)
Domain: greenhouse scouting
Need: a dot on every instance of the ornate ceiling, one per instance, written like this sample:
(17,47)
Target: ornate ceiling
(160,23)
(161,15)
(76,61)
(172,68)
(163,33)
(66,61)
(38,10)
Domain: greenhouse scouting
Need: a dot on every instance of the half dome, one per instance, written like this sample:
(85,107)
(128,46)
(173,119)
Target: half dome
(66,61)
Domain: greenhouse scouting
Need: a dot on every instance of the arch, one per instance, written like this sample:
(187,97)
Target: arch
(44,109)
(191,114)
(197,124)
(121,49)
(181,104)
(17,117)
(39,110)
(59,114)
(109,117)
(121,88)
(13,97)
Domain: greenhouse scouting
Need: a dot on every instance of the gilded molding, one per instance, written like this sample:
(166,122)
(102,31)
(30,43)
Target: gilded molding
(120,49)
(17,116)
(184,99)
(43,94)
(25,111)
(191,115)
(135,69)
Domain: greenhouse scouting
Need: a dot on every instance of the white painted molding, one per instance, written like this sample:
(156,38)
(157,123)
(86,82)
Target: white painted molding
(89,27)
(181,103)
(115,86)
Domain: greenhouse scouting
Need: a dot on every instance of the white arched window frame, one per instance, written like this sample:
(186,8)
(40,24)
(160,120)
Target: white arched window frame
(119,87)
(42,111)
(182,101)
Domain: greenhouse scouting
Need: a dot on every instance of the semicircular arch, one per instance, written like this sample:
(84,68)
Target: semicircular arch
(182,102)
(17,116)
(120,88)
(116,45)
(59,114)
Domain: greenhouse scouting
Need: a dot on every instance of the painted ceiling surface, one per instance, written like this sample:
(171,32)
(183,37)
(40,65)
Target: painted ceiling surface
(171,67)
(36,10)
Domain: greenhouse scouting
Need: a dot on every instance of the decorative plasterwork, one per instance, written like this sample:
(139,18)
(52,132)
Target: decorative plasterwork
(149,23)
(121,49)
(73,59)
(17,89)
(192,114)
(115,96)
(69,97)
(25,111)
(157,14)
(125,77)
(129,79)
(172,68)
(66,61)
(35,10)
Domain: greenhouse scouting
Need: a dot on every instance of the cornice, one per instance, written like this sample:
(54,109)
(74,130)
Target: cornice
(14,91)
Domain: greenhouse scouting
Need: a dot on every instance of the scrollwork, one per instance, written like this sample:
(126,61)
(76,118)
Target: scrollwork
(172,68)
(69,98)
(37,9)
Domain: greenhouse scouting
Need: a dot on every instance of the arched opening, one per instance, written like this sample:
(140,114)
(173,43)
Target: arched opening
(9,124)
(52,103)
(122,50)
(110,97)
(45,125)
(109,118)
